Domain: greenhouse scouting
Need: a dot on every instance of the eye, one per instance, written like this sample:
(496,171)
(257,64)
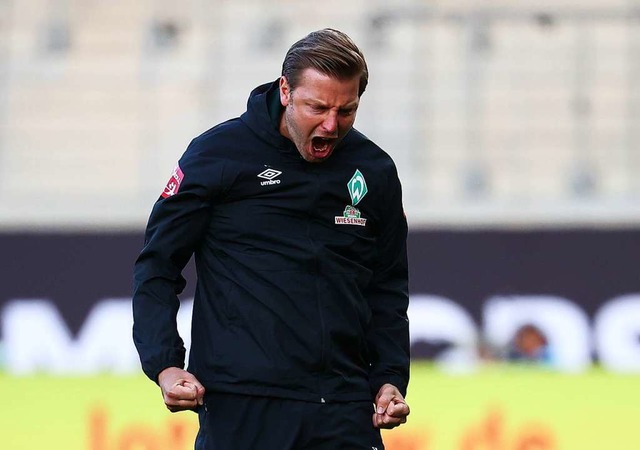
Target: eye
(318,108)
(347,112)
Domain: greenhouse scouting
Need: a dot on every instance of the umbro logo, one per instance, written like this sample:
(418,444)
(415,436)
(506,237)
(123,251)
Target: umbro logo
(269,175)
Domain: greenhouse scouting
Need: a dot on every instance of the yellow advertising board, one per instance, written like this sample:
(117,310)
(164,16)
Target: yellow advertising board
(499,408)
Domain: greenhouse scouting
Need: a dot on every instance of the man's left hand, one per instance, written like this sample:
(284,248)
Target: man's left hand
(391,408)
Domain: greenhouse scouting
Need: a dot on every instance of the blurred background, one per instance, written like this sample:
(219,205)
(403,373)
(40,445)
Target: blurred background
(515,127)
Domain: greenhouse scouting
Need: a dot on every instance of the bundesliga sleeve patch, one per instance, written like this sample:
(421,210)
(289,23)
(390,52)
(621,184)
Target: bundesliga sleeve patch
(173,185)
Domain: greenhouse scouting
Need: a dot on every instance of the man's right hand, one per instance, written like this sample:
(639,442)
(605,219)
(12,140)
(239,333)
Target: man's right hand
(180,389)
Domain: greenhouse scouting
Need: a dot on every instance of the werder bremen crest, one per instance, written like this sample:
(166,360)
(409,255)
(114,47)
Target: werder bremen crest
(357,187)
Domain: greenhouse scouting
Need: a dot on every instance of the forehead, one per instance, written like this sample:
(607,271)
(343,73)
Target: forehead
(316,86)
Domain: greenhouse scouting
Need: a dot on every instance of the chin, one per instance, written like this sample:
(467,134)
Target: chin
(310,157)
(320,158)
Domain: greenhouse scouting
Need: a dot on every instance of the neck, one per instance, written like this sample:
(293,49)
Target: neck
(284,130)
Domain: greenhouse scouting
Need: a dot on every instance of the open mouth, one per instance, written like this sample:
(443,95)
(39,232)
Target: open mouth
(321,144)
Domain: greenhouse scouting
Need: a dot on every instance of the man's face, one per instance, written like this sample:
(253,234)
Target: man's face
(318,113)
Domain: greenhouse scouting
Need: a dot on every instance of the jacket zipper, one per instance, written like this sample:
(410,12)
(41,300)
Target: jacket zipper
(323,352)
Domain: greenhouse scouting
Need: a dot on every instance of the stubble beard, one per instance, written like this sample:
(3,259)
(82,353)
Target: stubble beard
(294,133)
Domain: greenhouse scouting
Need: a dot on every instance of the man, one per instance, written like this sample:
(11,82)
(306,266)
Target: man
(296,222)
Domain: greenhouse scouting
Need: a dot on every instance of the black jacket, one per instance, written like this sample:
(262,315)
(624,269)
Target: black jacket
(302,288)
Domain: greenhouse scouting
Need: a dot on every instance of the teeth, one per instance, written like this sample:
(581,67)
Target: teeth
(320,143)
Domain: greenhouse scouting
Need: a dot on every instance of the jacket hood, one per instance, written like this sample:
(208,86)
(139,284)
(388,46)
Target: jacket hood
(263,114)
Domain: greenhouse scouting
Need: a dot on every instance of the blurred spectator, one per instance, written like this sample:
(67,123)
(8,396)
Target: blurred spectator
(529,345)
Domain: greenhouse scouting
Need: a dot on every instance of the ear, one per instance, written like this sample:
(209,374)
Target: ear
(285,91)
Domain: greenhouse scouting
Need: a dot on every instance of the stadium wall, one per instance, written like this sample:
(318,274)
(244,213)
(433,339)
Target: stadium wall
(65,298)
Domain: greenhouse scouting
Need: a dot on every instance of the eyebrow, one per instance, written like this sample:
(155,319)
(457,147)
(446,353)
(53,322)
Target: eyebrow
(349,105)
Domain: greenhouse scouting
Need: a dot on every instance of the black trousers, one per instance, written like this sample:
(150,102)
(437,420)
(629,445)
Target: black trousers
(243,422)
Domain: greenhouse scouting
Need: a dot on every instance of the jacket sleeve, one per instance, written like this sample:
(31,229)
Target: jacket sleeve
(177,223)
(388,297)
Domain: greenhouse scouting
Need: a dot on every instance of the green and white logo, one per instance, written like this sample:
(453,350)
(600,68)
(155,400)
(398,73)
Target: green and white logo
(351,212)
(351,216)
(357,187)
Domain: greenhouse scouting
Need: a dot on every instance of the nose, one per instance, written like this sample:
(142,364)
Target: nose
(330,123)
